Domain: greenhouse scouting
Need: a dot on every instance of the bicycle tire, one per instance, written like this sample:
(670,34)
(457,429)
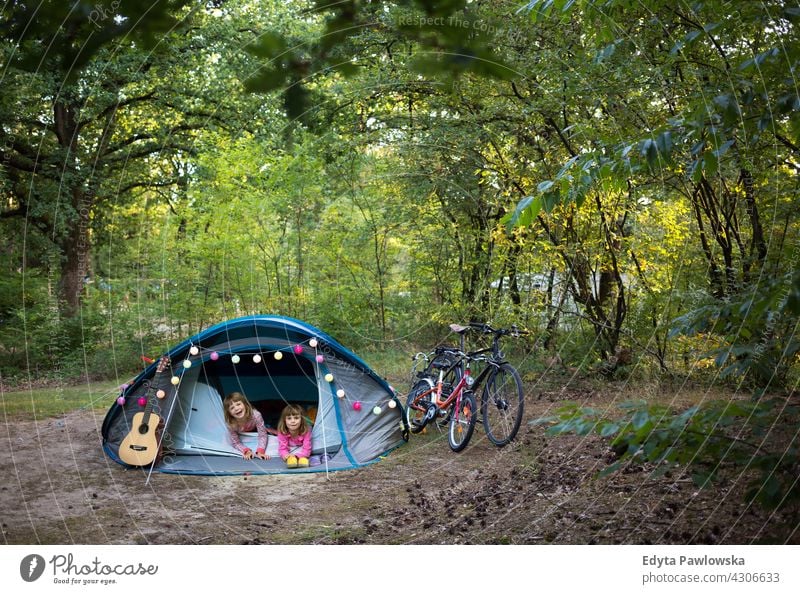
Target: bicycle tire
(462,421)
(502,405)
(414,416)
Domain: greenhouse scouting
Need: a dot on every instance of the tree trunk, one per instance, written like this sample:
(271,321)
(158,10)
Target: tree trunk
(758,246)
(75,244)
(513,280)
(75,263)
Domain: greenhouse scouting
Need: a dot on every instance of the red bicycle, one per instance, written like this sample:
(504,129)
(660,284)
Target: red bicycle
(434,397)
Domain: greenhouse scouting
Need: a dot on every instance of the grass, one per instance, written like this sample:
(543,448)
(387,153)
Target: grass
(55,401)
(394,364)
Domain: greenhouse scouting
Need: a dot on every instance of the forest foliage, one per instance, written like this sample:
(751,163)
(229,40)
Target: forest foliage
(617,176)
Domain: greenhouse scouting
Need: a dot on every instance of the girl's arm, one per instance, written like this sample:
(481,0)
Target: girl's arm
(283,445)
(305,450)
(237,443)
(262,435)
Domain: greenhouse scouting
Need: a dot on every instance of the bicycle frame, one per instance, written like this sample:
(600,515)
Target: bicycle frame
(436,390)
(463,360)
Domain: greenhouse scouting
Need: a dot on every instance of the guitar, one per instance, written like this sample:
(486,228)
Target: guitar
(141,446)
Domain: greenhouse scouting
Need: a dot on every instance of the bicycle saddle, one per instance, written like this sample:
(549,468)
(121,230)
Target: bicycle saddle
(458,328)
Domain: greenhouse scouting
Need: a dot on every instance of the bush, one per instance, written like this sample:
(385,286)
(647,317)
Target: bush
(747,437)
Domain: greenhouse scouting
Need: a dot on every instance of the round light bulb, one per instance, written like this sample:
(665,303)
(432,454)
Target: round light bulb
(214,356)
(256,358)
(313,343)
(340,393)
(175,380)
(121,400)
(329,377)
(235,359)
(194,350)
(377,410)
(187,364)
(392,404)
(160,394)
(278,355)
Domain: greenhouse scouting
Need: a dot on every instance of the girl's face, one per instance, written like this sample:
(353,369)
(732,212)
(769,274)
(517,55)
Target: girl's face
(237,409)
(293,422)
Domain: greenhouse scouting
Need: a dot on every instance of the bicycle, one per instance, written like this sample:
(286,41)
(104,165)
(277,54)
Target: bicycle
(453,405)
(502,397)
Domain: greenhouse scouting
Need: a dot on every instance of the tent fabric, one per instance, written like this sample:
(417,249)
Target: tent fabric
(273,360)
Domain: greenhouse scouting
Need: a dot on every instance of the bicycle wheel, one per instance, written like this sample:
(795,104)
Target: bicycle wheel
(416,407)
(502,405)
(462,421)
(452,376)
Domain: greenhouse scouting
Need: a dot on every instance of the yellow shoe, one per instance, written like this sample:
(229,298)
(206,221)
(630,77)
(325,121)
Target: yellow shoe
(291,462)
(302,462)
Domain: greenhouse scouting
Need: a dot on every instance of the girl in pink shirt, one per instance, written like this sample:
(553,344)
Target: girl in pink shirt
(240,416)
(294,437)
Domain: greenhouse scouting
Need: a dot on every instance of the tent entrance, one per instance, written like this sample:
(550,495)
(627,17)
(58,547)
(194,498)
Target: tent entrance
(197,425)
(269,385)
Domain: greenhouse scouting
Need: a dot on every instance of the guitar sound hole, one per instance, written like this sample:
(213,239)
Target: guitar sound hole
(143,429)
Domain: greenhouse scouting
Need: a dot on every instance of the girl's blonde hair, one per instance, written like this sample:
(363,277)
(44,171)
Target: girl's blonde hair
(236,397)
(292,409)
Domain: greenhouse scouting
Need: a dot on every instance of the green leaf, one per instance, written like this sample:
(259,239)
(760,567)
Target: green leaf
(721,358)
(640,419)
(729,107)
(267,80)
(347,69)
(269,45)
(664,144)
(612,468)
(702,478)
(524,213)
(710,164)
(649,150)
(550,200)
(758,59)
(544,186)
(609,429)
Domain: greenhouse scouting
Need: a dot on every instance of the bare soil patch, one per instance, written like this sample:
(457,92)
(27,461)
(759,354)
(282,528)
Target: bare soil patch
(60,488)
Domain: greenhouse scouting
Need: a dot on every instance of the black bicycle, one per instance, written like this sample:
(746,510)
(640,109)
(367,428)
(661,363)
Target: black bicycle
(502,397)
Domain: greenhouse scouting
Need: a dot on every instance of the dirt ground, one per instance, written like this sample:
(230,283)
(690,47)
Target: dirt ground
(59,488)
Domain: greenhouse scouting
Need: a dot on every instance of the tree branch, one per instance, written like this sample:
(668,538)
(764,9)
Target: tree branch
(115,107)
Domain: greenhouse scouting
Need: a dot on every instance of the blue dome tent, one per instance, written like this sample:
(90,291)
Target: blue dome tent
(274,361)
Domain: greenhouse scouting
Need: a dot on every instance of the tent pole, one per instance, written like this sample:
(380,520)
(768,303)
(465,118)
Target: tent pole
(164,429)
(322,416)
